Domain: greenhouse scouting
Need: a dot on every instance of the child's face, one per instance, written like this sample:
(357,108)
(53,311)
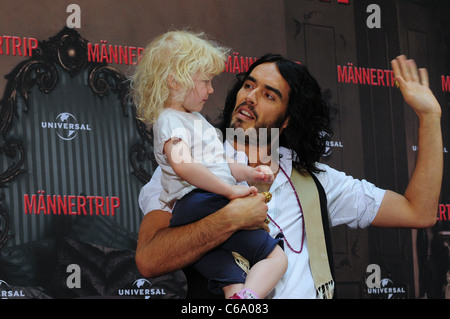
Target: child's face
(197,97)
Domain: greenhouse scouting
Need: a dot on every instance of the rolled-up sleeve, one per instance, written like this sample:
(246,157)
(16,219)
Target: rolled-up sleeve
(351,201)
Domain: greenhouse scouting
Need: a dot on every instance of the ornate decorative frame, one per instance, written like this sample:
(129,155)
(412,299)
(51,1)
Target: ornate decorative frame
(68,50)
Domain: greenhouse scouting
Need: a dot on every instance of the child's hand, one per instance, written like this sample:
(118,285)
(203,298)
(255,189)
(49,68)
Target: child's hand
(263,173)
(241,191)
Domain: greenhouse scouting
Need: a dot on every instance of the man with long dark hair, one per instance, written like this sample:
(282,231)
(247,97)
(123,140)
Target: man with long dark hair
(278,93)
(308,127)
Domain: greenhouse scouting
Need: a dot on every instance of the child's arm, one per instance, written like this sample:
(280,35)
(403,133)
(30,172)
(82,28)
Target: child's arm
(241,172)
(180,159)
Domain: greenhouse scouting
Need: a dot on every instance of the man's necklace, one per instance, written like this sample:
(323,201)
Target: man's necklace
(301,217)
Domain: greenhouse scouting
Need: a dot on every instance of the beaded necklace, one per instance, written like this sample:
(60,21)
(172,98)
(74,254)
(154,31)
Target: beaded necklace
(301,211)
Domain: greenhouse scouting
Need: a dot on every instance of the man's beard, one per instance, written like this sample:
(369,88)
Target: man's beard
(260,132)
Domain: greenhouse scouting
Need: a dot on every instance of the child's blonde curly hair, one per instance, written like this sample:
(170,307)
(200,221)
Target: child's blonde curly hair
(176,56)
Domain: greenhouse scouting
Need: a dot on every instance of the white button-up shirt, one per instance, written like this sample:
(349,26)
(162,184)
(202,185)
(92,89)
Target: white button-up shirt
(350,201)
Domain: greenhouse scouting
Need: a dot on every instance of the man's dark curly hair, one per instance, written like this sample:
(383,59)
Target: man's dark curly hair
(309,125)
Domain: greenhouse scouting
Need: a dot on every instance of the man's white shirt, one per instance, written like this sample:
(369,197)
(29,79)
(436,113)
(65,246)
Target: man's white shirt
(350,201)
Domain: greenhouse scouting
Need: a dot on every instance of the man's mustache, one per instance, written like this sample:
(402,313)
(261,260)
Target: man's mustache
(249,106)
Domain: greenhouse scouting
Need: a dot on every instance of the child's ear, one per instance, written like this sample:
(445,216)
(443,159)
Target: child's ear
(173,84)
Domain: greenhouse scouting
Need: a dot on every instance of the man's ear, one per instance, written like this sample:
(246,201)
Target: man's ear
(285,123)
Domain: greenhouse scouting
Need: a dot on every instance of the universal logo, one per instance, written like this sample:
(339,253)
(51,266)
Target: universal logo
(383,288)
(142,288)
(66,126)
(331,144)
(7,292)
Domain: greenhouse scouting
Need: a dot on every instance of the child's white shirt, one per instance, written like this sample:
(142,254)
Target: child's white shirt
(205,146)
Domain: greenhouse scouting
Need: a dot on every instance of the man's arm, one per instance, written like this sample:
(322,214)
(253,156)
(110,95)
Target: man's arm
(418,206)
(162,249)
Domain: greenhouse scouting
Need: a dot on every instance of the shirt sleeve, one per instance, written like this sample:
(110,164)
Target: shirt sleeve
(149,194)
(170,125)
(351,201)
